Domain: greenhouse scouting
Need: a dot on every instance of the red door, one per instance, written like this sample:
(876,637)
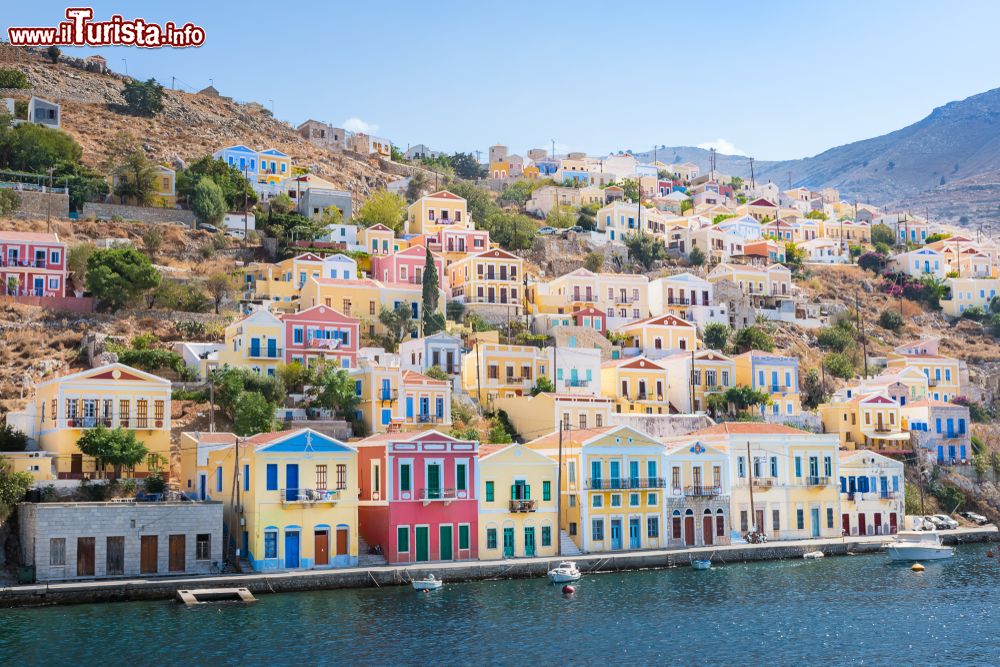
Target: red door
(689,531)
(878,524)
(846,524)
(892,522)
(706,528)
(321,547)
(862,527)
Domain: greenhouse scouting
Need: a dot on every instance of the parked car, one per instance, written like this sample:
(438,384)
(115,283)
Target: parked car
(975,518)
(934,522)
(205,227)
(235,233)
(949,523)
(547,230)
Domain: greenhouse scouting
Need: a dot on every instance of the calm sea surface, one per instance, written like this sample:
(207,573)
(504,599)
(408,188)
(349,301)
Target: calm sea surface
(857,610)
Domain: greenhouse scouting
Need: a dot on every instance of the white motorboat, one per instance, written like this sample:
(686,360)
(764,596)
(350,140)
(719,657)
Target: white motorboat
(431,583)
(918,545)
(701,563)
(812,555)
(565,573)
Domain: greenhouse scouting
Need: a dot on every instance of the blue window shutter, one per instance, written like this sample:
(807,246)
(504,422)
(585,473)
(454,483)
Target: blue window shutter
(246,476)
(218,479)
(272,476)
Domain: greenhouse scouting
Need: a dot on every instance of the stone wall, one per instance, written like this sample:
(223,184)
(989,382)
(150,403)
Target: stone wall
(42,522)
(35,204)
(149,214)
(662,426)
(83,304)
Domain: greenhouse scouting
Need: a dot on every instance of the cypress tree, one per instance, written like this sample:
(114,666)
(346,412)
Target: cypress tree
(433,322)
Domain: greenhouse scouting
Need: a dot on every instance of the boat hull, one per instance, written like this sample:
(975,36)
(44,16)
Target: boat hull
(426,585)
(701,564)
(903,553)
(563,577)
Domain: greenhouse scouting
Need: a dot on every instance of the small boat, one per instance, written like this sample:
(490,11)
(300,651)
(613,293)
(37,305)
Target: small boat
(431,583)
(564,573)
(918,545)
(701,563)
(813,555)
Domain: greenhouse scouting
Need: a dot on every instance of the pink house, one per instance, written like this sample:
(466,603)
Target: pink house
(32,264)
(418,497)
(321,332)
(406,266)
(592,318)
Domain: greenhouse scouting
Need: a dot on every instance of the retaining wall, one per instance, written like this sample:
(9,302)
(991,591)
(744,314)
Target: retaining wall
(149,214)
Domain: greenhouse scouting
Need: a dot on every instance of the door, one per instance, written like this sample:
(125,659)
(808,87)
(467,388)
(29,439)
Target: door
(878,523)
(272,348)
(254,347)
(616,474)
(892,523)
(814,517)
(148,547)
(508,542)
(634,536)
(201,487)
(845,524)
(175,554)
(341,541)
(425,406)
(759,521)
(409,407)
(616,533)
(116,556)
(529,541)
(292,481)
(76,464)
(633,474)
(39,287)
(434,481)
(321,547)
(85,556)
(421,543)
(706,528)
(689,531)
(445,545)
(862,527)
(291,549)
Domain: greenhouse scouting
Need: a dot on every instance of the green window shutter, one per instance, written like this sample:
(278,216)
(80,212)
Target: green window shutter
(463,537)
(460,473)
(402,539)
(491,538)
(527,492)
(546,490)
(489,492)
(404,477)
(546,536)
(513,491)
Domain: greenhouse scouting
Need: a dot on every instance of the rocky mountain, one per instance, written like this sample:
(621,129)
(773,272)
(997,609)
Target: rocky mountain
(947,163)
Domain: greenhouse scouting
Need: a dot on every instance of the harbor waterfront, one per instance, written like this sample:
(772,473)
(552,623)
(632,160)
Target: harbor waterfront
(123,590)
(860,609)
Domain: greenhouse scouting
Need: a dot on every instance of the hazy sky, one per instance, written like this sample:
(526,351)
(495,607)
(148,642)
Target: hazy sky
(774,80)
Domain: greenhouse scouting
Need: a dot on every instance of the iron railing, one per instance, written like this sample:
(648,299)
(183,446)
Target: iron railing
(527,505)
(305,496)
(438,494)
(625,483)
(703,491)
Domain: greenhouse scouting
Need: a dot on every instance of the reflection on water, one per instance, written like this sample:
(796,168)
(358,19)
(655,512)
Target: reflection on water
(859,609)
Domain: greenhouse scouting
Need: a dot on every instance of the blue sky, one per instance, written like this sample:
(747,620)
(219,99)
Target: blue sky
(774,80)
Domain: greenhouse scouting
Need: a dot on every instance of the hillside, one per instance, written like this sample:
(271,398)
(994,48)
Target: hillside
(189,127)
(948,162)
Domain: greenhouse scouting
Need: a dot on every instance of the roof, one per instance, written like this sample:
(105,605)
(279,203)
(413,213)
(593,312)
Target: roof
(487,449)
(212,438)
(749,428)
(931,403)
(29,236)
(414,377)
(572,435)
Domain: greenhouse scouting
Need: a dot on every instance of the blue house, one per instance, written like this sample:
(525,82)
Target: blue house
(241,157)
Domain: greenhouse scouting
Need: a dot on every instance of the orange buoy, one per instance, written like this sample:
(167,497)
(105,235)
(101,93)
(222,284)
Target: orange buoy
(917,567)
(568,590)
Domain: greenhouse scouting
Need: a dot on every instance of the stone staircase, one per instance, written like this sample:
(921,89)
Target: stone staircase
(567,545)
(366,559)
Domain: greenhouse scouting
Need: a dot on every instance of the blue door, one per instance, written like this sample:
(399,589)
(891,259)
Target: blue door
(633,474)
(634,539)
(201,487)
(425,406)
(814,515)
(292,481)
(616,533)
(291,549)
(616,482)
(386,416)
(940,453)
(272,348)
(409,407)
(254,347)
(39,286)
(962,452)
(951,453)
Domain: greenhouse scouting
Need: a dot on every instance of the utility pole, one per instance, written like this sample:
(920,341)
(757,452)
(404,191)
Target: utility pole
(246,203)
(211,400)
(753,185)
(553,149)
(48,204)
(559,473)
(173,80)
(861,330)
(753,513)
(479,385)
(691,379)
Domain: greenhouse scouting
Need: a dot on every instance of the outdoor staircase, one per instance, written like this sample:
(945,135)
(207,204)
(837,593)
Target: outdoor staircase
(567,545)
(366,559)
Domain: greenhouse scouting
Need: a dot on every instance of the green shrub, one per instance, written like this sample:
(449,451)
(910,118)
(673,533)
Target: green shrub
(13,78)
(839,365)
(890,319)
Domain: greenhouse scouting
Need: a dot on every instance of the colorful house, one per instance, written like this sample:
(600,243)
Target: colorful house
(436,211)
(944,374)
(533,416)
(280,284)
(274,166)
(490,278)
(697,495)
(32,264)
(940,431)
(392,399)
(298,497)
(867,421)
(365,299)
(706,372)
(165,194)
(518,503)
(871,494)
(419,497)
(774,374)
(379,240)
(242,158)
(491,370)
(255,342)
(407,266)
(660,334)
(321,333)
(636,384)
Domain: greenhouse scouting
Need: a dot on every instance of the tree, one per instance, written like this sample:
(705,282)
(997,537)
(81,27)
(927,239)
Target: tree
(478,201)
(543,385)
(513,231)
(696,256)
(76,262)
(881,233)
(742,398)
(716,336)
(252,414)
(383,208)
(817,215)
(236,188)
(338,393)
(890,319)
(398,323)
(143,98)
(134,175)
(13,78)
(34,148)
(295,376)
(220,285)
(152,239)
(939,236)
(872,261)
(53,53)
(116,447)
(207,202)
(839,365)
(593,261)
(331,215)
(753,338)
(497,433)
(437,373)
(981,465)
(814,390)
(417,186)
(631,189)
(10,201)
(517,193)
(794,256)
(587,217)
(84,184)
(118,276)
(836,338)
(13,487)
(433,320)
(12,440)
(560,217)
(995,464)
(467,166)
(645,249)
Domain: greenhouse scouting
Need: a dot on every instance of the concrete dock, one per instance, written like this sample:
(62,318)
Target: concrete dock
(165,588)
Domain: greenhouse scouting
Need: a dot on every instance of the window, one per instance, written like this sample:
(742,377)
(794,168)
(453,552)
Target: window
(491,538)
(403,539)
(800,519)
(829,517)
(597,530)
(57,551)
(798,466)
(651,499)
(460,477)
(321,477)
(246,477)
(270,544)
(489,491)
(463,536)
(572,472)
(341,476)
(633,500)
(272,476)
(828,466)
(546,490)
(775,520)
(740,467)
(218,479)
(572,501)
(546,536)
(616,500)
(203,546)
(653,526)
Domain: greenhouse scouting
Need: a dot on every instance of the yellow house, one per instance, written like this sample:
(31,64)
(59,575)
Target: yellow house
(712,373)
(944,374)
(620,295)
(518,504)
(298,497)
(534,416)
(281,283)
(759,283)
(773,374)
(491,278)
(491,370)
(165,194)
(274,166)
(365,298)
(110,396)
(395,399)
(636,384)
(656,335)
(867,421)
(380,240)
(40,465)
(436,211)
(254,342)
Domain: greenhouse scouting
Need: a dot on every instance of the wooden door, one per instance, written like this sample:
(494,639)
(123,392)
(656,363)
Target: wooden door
(759,519)
(706,528)
(321,547)
(421,543)
(892,523)
(175,555)
(445,544)
(862,527)
(689,531)
(115,556)
(846,524)
(85,556)
(76,464)
(878,523)
(148,547)
(341,542)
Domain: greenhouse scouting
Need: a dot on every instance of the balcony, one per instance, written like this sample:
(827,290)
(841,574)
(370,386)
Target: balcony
(388,394)
(107,422)
(444,495)
(779,388)
(884,429)
(678,301)
(715,388)
(576,382)
(25,264)
(933,382)
(522,505)
(429,419)
(623,483)
(817,481)
(764,482)
(702,491)
(266,353)
(309,496)
(643,396)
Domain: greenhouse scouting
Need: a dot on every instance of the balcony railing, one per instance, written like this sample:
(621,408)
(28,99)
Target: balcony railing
(625,483)
(888,495)
(429,419)
(576,382)
(522,505)
(764,482)
(883,429)
(25,264)
(388,394)
(678,301)
(643,396)
(933,382)
(438,494)
(309,496)
(817,481)
(94,422)
(265,353)
(702,491)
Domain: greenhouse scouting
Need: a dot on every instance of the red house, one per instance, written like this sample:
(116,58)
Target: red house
(590,317)
(406,266)
(419,498)
(321,332)
(32,264)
